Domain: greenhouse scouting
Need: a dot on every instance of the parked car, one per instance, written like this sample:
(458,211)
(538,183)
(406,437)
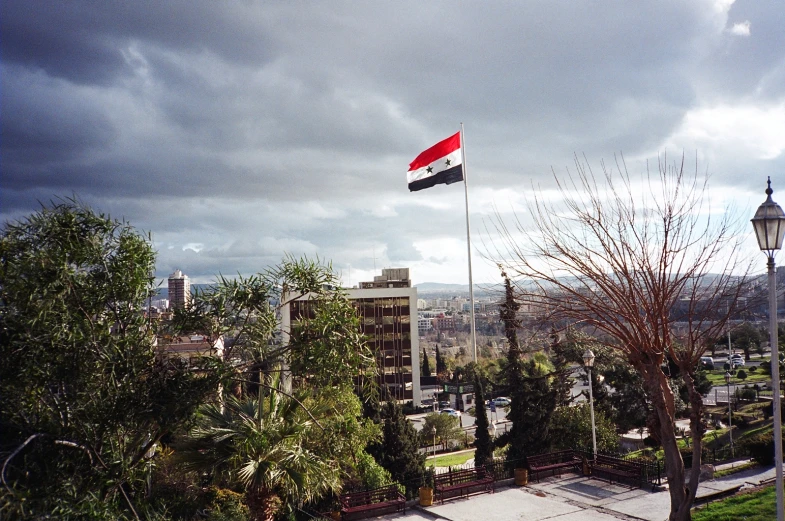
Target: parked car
(736,361)
(502,401)
(444,405)
(707,363)
(451,412)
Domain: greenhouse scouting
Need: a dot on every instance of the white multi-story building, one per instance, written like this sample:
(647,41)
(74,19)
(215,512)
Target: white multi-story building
(179,290)
(424,325)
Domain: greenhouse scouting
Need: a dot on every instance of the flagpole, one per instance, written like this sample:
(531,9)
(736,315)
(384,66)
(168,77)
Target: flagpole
(469,245)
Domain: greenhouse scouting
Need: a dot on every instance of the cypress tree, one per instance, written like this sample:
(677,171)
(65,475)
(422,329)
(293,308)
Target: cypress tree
(513,377)
(533,400)
(398,450)
(441,367)
(482,437)
(426,364)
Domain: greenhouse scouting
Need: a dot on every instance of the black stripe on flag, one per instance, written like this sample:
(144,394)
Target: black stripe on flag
(447,177)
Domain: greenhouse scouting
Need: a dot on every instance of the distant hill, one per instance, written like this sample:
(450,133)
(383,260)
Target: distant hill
(442,289)
(440,286)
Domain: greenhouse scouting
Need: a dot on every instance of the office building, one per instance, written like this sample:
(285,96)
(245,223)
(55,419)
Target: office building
(179,290)
(387,311)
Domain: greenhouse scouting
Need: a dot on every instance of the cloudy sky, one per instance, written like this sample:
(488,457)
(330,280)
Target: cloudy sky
(236,132)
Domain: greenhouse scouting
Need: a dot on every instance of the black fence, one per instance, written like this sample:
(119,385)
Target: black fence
(716,456)
(652,471)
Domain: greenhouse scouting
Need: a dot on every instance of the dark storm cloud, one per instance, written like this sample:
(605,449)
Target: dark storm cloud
(82,41)
(235,132)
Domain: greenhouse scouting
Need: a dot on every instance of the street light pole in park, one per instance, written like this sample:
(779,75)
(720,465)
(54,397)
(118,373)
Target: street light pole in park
(588,361)
(769,225)
(730,419)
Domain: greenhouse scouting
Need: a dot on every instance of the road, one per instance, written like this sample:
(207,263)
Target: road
(718,393)
(467,420)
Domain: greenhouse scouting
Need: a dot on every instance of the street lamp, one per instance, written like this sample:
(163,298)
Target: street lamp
(433,433)
(492,430)
(730,419)
(588,361)
(769,225)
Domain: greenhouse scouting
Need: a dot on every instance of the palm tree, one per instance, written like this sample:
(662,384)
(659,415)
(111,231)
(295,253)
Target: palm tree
(267,447)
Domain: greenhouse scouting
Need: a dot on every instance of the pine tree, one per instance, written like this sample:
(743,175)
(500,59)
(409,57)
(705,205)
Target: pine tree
(398,451)
(426,364)
(533,401)
(512,375)
(441,367)
(482,437)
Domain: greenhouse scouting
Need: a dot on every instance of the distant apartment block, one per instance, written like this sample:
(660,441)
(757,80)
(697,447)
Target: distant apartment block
(424,325)
(444,323)
(191,347)
(161,304)
(179,290)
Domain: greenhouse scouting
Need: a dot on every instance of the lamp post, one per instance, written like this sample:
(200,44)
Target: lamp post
(769,225)
(588,361)
(433,433)
(730,419)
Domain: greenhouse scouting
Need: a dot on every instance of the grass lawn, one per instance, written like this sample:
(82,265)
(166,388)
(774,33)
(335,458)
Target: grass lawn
(450,460)
(708,437)
(717,378)
(734,470)
(768,426)
(755,506)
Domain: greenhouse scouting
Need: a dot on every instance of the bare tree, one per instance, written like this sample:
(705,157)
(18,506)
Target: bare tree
(652,268)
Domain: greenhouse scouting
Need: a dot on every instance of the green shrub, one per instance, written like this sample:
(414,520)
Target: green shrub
(768,410)
(226,505)
(741,374)
(747,394)
(761,447)
(371,473)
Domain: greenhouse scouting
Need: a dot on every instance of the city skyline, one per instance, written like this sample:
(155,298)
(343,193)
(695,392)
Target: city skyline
(238,134)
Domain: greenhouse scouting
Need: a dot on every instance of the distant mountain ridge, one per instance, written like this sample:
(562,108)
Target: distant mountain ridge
(445,289)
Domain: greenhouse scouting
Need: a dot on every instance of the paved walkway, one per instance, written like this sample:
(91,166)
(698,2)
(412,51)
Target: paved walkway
(571,498)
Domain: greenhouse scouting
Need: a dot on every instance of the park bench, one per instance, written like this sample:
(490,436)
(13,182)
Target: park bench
(358,505)
(617,469)
(553,462)
(457,483)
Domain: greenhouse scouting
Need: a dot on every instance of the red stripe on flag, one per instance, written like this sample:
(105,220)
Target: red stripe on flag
(439,150)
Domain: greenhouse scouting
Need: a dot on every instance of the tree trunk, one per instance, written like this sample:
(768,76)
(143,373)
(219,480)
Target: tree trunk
(696,433)
(664,407)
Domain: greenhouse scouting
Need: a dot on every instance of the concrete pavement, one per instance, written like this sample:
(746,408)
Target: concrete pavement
(571,498)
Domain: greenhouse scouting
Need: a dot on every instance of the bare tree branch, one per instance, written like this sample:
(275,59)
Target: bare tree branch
(645,262)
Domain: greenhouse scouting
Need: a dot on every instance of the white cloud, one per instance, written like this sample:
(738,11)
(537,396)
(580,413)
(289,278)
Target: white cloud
(741,28)
(755,131)
(193,246)
(722,6)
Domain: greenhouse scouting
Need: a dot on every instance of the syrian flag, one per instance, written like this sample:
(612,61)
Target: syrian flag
(440,164)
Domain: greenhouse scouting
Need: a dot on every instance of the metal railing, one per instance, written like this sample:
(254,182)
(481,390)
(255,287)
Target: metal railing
(652,469)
